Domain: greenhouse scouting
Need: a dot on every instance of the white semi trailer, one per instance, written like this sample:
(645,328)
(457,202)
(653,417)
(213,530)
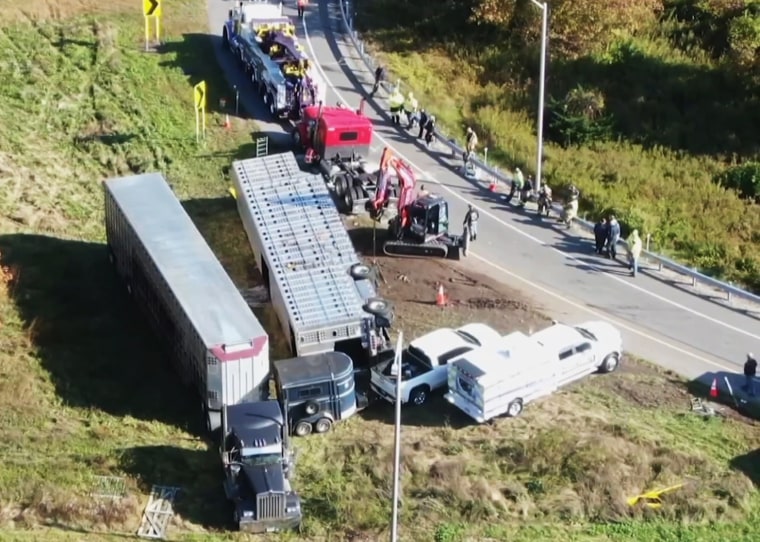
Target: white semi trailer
(319,289)
(215,342)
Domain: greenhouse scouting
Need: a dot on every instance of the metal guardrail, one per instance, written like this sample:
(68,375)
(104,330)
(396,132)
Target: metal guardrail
(659,261)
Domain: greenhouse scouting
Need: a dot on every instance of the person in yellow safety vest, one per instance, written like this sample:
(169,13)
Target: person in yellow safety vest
(396,105)
(410,108)
(471,143)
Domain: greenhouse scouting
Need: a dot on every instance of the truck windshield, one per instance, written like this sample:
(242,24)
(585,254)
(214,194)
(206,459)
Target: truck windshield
(586,333)
(260,460)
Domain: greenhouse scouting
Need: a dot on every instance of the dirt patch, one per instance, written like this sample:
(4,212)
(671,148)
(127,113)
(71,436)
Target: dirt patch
(412,284)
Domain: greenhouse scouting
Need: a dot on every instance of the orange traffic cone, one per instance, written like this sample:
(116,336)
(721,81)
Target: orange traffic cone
(227,122)
(440,298)
(492,186)
(714,389)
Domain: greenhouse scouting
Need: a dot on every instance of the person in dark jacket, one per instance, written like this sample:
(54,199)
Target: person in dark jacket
(429,130)
(423,122)
(601,232)
(379,78)
(750,371)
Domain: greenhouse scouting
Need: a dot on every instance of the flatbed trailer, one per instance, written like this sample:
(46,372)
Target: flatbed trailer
(215,342)
(319,289)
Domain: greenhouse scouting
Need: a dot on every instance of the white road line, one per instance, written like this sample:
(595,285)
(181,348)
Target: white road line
(538,241)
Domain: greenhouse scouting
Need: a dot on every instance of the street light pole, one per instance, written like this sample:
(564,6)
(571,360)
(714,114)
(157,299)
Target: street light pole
(544,7)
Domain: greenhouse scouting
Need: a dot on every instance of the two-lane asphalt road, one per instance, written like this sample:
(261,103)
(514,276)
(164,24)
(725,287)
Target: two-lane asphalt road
(554,267)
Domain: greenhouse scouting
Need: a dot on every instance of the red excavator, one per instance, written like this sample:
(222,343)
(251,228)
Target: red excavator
(421,225)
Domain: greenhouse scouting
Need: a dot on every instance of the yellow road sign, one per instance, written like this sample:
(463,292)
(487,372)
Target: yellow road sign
(199,93)
(152,8)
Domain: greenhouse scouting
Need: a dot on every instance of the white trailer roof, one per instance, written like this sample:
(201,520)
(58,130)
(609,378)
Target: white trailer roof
(200,284)
(261,10)
(305,243)
(495,363)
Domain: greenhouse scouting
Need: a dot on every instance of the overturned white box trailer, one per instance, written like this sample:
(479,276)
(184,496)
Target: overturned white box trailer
(215,342)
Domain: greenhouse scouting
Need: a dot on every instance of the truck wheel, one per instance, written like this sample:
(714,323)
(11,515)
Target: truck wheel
(341,185)
(357,192)
(303,429)
(419,395)
(609,364)
(272,106)
(360,271)
(311,408)
(377,306)
(225,38)
(323,425)
(129,288)
(346,203)
(111,256)
(515,408)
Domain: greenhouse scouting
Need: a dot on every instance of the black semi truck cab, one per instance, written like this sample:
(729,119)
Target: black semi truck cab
(258,466)
(316,391)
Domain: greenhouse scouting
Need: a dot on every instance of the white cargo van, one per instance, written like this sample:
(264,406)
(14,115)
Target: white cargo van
(490,381)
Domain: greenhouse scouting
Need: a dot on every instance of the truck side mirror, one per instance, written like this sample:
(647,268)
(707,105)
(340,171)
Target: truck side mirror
(229,14)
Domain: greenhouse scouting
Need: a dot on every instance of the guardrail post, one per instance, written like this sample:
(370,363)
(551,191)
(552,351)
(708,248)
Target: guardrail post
(728,292)
(694,276)
(649,238)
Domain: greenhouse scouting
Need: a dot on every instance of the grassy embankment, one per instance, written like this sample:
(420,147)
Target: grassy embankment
(84,390)
(680,114)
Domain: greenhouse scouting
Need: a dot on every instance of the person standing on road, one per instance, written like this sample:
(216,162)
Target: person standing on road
(396,105)
(423,121)
(518,181)
(613,236)
(750,370)
(379,78)
(301,7)
(634,251)
(429,130)
(410,108)
(471,222)
(471,143)
(600,234)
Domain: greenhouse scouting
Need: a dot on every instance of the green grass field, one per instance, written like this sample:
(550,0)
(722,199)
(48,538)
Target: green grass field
(84,391)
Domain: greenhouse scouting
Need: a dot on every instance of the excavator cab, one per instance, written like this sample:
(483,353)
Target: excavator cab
(428,219)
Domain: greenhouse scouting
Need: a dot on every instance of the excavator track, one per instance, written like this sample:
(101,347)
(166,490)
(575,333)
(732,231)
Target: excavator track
(415,250)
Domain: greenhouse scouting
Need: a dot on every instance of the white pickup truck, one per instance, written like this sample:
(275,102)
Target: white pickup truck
(490,381)
(423,362)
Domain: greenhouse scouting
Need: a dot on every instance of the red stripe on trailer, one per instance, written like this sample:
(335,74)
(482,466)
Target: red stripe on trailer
(255,350)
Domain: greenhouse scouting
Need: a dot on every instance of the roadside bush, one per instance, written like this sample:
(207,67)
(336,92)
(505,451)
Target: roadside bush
(579,118)
(744,178)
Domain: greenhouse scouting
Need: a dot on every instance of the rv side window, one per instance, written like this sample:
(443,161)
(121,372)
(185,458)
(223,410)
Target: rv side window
(447,357)
(565,354)
(309,392)
(344,386)
(585,347)
(348,136)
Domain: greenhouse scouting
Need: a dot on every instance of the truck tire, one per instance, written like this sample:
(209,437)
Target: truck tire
(377,306)
(346,203)
(610,363)
(360,271)
(515,408)
(419,395)
(303,429)
(111,256)
(129,288)
(357,192)
(225,38)
(272,106)
(342,185)
(311,408)
(323,425)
